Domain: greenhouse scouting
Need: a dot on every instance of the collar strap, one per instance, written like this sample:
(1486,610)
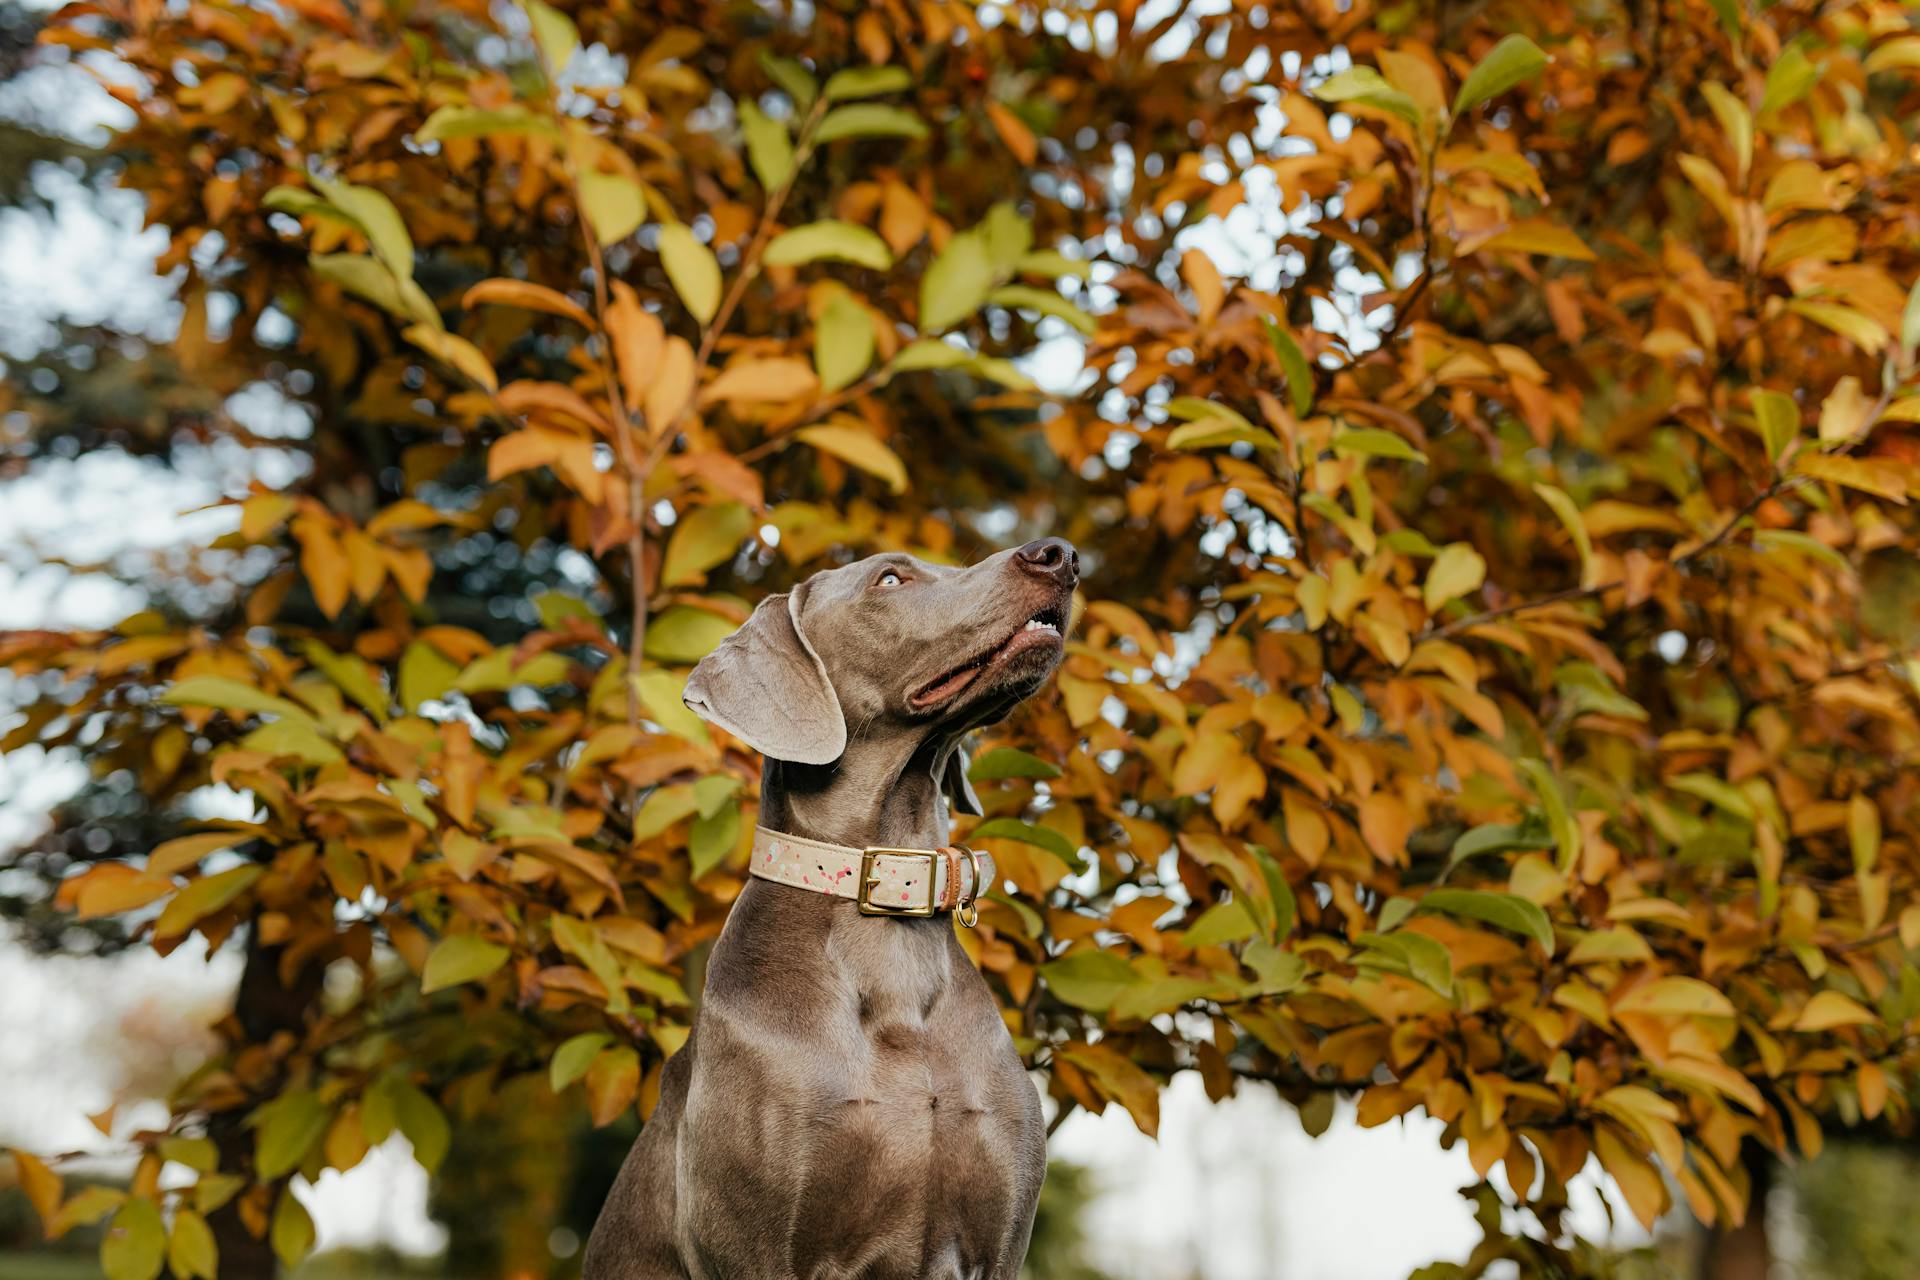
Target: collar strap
(883,881)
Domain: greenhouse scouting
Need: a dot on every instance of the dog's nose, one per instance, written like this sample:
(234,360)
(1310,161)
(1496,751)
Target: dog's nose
(1052,558)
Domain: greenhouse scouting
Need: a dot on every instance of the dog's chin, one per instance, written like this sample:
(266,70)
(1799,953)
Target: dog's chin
(998,678)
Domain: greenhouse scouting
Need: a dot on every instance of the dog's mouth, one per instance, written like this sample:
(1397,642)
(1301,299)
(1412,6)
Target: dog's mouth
(1041,631)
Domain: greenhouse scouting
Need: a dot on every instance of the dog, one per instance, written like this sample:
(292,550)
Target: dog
(850,1103)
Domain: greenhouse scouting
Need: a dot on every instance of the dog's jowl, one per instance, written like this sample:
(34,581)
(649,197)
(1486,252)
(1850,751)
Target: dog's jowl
(850,1103)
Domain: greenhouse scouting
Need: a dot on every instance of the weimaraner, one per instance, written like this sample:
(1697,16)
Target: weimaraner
(850,1103)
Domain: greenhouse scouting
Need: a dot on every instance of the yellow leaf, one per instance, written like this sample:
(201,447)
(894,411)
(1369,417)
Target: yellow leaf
(613,205)
(1880,479)
(1830,1009)
(692,269)
(1457,570)
(1639,1181)
(1541,237)
(775,379)
(1675,997)
(858,446)
(842,343)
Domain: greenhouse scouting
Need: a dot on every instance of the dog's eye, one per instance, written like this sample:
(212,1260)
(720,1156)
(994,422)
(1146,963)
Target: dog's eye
(889,579)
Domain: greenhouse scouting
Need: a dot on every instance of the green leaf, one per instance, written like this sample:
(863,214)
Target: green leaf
(386,230)
(929,353)
(1279,971)
(226,694)
(191,1251)
(956,284)
(769,149)
(458,958)
(1144,1000)
(1498,837)
(299,202)
(204,897)
(1089,978)
(450,122)
(1412,955)
(1010,762)
(1910,324)
(693,270)
(1560,819)
(793,79)
(1377,443)
(1503,910)
(661,809)
(614,206)
(846,241)
(703,538)
(496,673)
(1221,923)
(1275,914)
(1570,518)
(135,1246)
(423,1124)
(869,120)
(661,692)
(684,634)
(292,1231)
(574,1056)
(867,82)
(1052,265)
(1735,121)
(285,1129)
(554,34)
(1778,418)
(1369,88)
(1027,833)
(352,675)
(713,838)
(1008,235)
(1513,60)
(1789,79)
(1045,301)
(1716,791)
(1803,543)
(197,1154)
(425,675)
(1218,432)
(1293,363)
(366,277)
(1729,13)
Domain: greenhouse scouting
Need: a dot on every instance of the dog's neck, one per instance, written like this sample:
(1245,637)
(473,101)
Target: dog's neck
(882,791)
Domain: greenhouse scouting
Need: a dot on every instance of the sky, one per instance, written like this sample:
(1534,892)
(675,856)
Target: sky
(1235,1191)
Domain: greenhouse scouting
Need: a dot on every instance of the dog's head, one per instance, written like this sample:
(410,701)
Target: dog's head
(892,645)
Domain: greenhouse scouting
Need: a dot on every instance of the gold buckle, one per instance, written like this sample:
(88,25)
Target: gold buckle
(869,878)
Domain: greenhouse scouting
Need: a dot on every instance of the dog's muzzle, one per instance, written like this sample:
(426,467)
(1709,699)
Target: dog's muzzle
(881,881)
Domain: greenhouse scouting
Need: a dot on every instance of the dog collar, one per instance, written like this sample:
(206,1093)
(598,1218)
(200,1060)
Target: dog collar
(882,881)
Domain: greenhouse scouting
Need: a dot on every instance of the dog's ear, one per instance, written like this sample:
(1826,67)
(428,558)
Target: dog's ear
(950,774)
(767,687)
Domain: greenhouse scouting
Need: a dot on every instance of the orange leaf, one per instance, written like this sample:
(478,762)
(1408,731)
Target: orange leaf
(527,295)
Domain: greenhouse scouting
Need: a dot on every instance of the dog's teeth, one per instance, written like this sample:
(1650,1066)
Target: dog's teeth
(1035,624)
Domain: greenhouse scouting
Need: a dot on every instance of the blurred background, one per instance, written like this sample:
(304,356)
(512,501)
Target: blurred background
(92,1036)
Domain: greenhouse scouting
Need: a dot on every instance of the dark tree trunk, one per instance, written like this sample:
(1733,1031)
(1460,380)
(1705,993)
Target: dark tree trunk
(262,1006)
(1744,1252)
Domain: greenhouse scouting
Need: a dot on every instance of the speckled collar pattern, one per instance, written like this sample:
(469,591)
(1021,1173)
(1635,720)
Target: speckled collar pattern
(897,881)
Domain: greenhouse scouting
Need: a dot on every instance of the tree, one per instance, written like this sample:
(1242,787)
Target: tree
(1495,686)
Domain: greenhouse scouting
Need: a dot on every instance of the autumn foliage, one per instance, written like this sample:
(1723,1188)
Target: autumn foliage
(1489,431)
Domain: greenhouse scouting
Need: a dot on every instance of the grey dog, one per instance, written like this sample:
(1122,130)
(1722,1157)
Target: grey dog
(850,1103)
